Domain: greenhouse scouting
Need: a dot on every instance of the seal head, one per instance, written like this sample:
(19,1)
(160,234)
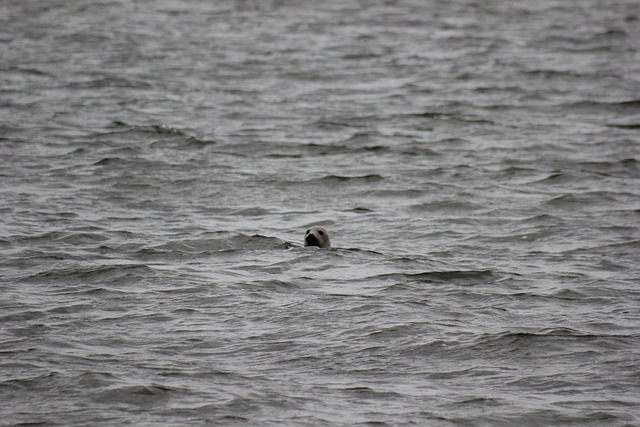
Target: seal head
(317,236)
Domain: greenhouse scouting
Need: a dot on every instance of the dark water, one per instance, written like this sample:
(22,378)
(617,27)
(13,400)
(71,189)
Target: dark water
(476,163)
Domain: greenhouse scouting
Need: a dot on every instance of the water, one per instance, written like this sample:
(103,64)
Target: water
(476,164)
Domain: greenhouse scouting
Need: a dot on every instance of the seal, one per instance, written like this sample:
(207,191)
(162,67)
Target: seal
(317,236)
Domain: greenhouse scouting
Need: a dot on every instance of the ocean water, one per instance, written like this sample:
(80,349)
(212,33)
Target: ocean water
(475,162)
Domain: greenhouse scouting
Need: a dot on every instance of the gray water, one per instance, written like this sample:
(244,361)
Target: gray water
(476,163)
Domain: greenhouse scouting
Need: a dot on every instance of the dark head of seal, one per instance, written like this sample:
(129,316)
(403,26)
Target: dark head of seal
(317,236)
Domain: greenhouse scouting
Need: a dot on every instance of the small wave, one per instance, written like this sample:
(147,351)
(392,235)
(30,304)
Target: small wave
(138,395)
(103,273)
(548,341)
(127,135)
(549,74)
(271,285)
(22,316)
(251,211)
(622,107)
(71,308)
(446,206)
(482,402)
(366,137)
(213,242)
(109,82)
(257,242)
(570,201)
(392,332)
(329,124)
(452,276)
(542,219)
(628,167)
(369,393)
(362,178)
(554,178)
(66,237)
(451,116)
(404,193)
(631,126)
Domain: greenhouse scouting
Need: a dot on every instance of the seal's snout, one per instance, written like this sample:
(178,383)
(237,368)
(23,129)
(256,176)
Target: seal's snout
(311,240)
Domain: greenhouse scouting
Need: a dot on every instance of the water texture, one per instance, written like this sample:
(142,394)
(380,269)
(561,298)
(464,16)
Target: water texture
(476,163)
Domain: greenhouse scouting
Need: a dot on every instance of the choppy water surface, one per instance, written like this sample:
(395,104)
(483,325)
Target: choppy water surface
(476,163)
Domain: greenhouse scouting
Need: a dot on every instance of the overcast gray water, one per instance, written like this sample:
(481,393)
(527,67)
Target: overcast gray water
(475,162)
